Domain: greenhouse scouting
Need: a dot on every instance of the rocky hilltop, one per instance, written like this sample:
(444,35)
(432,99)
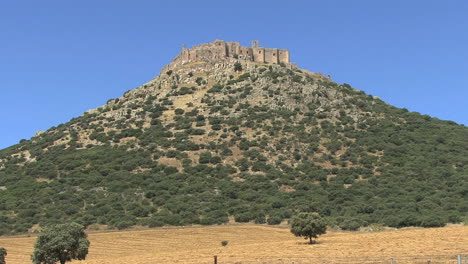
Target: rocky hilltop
(229,133)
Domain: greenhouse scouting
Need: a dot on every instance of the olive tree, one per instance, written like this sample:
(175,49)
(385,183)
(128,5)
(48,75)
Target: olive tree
(61,242)
(3,253)
(308,225)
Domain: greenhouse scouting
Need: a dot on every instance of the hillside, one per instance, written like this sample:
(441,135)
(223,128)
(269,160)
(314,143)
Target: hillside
(216,138)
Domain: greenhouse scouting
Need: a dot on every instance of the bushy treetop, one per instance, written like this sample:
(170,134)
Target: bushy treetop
(308,225)
(62,242)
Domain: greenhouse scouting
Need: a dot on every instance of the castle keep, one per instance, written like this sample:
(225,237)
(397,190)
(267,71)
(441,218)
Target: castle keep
(220,49)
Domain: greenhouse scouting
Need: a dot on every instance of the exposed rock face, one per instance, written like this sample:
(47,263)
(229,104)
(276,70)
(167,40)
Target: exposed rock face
(38,133)
(219,50)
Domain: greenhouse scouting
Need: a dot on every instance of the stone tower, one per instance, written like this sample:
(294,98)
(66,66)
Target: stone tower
(254,43)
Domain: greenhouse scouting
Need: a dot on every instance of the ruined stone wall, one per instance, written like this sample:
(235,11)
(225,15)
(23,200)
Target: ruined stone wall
(245,53)
(215,50)
(258,54)
(233,48)
(271,55)
(221,50)
(283,56)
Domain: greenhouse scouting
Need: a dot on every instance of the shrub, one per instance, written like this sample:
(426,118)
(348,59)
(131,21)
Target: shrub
(274,220)
(432,221)
(350,224)
(206,157)
(243,217)
(259,220)
(216,127)
(237,67)
(216,88)
(297,78)
(123,224)
(224,243)
(179,111)
(171,153)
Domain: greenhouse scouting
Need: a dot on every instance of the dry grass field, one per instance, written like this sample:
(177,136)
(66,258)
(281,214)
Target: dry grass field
(252,244)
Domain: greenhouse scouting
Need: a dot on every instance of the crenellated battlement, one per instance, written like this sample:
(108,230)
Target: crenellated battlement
(222,50)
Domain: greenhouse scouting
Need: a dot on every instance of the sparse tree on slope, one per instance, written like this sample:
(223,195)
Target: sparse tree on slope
(237,67)
(308,225)
(62,242)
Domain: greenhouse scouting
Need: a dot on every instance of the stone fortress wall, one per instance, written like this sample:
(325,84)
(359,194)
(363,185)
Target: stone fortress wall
(219,50)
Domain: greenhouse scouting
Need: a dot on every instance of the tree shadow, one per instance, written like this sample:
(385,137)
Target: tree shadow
(314,242)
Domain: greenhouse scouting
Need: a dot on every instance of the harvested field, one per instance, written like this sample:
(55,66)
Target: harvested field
(251,243)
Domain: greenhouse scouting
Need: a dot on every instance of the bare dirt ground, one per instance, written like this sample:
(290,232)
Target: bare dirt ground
(253,244)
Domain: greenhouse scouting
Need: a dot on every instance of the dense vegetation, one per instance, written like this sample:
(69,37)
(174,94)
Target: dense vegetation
(259,145)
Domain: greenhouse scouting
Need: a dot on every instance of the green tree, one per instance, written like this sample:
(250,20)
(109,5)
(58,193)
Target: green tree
(3,253)
(61,242)
(308,225)
(237,67)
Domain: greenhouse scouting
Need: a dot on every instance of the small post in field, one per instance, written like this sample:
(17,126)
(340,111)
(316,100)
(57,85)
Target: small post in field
(391,261)
(215,259)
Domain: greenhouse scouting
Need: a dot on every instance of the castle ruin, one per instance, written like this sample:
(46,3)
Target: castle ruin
(219,50)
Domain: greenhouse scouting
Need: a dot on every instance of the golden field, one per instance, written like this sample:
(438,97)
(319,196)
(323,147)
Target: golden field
(253,244)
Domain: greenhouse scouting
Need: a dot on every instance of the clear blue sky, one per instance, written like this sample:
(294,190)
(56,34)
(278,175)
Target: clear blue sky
(60,58)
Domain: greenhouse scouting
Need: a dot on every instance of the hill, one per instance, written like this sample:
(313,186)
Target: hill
(225,133)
